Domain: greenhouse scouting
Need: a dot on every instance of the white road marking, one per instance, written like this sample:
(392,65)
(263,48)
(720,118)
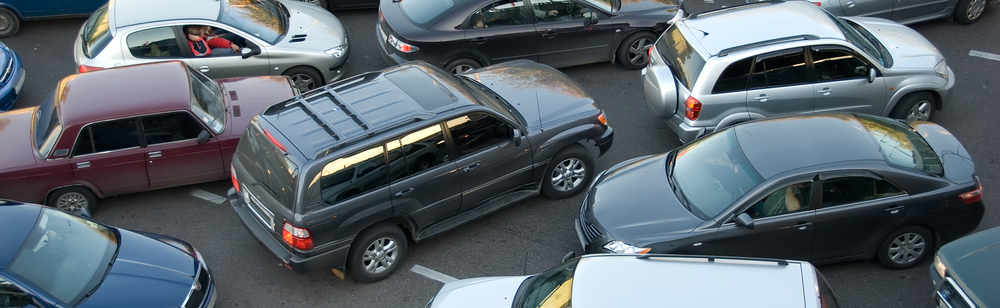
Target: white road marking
(207,196)
(984,55)
(432,274)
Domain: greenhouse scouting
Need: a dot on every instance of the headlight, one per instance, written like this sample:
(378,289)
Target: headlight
(337,52)
(939,266)
(941,69)
(622,248)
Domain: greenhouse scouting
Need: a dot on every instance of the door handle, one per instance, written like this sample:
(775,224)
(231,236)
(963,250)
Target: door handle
(894,210)
(82,165)
(478,40)
(762,98)
(155,154)
(850,4)
(203,68)
(470,168)
(825,91)
(549,35)
(802,225)
(404,192)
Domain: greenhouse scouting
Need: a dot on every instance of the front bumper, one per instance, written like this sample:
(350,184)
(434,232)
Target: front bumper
(12,89)
(604,142)
(948,90)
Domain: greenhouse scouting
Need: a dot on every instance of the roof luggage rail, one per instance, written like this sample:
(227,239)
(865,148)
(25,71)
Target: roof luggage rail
(735,7)
(727,51)
(712,258)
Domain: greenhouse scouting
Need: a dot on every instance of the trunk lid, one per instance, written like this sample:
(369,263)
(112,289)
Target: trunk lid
(955,159)
(15,136)
(249,96)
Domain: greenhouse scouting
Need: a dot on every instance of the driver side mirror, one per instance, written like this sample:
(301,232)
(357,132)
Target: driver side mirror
(203,136)
(872,73)
(247,52)
(517,136)
(744,220)
(592,20)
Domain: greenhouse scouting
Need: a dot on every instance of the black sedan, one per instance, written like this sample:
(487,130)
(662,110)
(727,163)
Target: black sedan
(823,188)
(468,34)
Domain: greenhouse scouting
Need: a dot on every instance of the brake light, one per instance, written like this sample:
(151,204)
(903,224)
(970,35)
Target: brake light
(232,174)
(974,195)
(300,238)
(649,56)
(693,108)
(400,45)
(275,141)
(818,3)
(602,119)
(84,68)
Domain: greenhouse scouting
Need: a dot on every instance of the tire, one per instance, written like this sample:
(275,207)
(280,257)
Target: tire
(462,65)
(377,252)
(574,163)
(969,11)
(9,23)
(633,53)
(906,247)
(72,199)
(915,106)
(304,78)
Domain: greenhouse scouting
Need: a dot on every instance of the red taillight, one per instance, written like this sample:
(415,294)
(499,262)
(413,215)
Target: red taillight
(84,68)
(818,3)
(602,119)
(232,174)
(974,195)
(297,237)
(693,108)
(649,55)
(275,141)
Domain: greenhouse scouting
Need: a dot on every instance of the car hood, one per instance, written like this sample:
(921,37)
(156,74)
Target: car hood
(908,48)
(971,261)
(633,202)
(541,94)
(15,136)
(486,292)
(311,28)
(957,163)
(248,96)
(146,273)
(648,6)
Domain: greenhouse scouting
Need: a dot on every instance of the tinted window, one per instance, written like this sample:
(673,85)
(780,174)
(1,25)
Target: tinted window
(425,13)
(477,131)
(153,43)
(265,19)
(12,296)
(787,199)
(901,146)
(560,10)
(553,288)
(107,136)
(426,91)
(416,152)
(353,175)
(734,78)
(712,172)
(781,68)
(836,64)
(267,164)
(856,189)
(95,32)
(500,13)
(684,62)
(170,127)
(47,127)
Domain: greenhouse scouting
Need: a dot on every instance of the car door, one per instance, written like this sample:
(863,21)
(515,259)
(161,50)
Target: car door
(858,209)
(489,161)
(869,8)
(74,7)
(566,35)
(504,32)
(423,176)
(910,9)
(109,155)
(173,153)
(40,8)
(842,82)
(153,44)
(782,225)
(219,65)
(780,85)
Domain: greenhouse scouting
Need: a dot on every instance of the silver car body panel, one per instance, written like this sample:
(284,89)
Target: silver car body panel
(485,292)
(907,12)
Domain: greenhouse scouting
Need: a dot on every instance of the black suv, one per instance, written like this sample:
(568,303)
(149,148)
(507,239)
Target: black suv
(333,177)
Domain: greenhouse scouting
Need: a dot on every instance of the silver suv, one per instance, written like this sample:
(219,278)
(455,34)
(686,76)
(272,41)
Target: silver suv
(711,70)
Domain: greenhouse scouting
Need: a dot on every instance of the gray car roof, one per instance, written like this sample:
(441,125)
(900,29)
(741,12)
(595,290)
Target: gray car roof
(758,22)
(129,12)
(774,146)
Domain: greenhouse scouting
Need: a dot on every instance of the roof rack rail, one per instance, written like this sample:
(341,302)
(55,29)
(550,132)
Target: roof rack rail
(712,258)
(315,113)
(727,51)
(350,110)
(735,7)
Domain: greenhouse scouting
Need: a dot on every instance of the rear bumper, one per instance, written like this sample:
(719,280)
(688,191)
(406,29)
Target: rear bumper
(684,132)
(946,92)
(960,224)
(387,55)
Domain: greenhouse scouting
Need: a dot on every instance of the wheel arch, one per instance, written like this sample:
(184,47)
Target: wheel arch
(614,49)
(307,66)
(911,89)
(89,186)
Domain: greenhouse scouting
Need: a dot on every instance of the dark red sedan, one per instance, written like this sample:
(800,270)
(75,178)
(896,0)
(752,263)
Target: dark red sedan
(126,130)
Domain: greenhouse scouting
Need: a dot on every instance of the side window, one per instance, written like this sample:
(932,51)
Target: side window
(856,189)
(789,199)
(107,136)
(153,43)
(170,127)
(353,175)
(498,14)
(477,131)
(12,296)
(416,152)
(837,64)
(734,78)
(782,68)
(559,10)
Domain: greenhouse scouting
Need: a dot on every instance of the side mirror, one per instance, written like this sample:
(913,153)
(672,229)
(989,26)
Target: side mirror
(247,52)
(203,136)
(872,74)
(568,256)
(517,136)
(744,220)
(593,19)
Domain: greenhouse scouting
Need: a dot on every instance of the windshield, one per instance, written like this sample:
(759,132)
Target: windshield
(425,13)
(65,255)
(685,63)
(265,19)
(551,289)
(492,100)
(712,172)
(95,33)
(861,38)
(901,146)
(206,101)
(47,126)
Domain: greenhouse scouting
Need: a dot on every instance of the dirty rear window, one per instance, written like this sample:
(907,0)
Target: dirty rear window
(685,63)
(268,165)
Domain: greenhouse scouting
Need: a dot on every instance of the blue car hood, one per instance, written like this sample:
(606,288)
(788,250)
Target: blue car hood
(146,273)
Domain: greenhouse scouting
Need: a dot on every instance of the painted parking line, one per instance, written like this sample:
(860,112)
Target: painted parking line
(984,55)
(432,274)
(207,196)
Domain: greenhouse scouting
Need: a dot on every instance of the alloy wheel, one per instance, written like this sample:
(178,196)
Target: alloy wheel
(568,174)
(906,248)
(380,255)
(637,52)
(303,82)
(921,111)
(462,68)
(72,202)
(976,8)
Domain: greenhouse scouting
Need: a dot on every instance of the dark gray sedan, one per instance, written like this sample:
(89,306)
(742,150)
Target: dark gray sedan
(824,188)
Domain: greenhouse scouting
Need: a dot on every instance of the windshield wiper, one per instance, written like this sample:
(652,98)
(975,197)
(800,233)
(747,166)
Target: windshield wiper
(670,179)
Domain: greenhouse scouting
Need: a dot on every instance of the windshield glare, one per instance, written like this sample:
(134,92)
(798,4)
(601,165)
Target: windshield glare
(265,19)
(47,127)
(552,288)
(901,146)
(65,255)
(712,172)
(858,39)
(206,101)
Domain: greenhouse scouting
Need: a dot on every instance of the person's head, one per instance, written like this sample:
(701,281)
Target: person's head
(477,21)
(193,32)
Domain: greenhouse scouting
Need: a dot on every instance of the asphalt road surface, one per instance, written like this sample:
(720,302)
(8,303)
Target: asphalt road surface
(528,237)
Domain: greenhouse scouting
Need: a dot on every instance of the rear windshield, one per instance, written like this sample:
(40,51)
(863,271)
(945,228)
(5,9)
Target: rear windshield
(901,146)
(425,13)
(47,126)
(269,166)
(684,62)
(95,33)
(713,172)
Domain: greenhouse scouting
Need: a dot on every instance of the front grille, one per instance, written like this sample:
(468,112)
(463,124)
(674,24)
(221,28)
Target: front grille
(9,71)
(592,232)
(951,296)
(199,290)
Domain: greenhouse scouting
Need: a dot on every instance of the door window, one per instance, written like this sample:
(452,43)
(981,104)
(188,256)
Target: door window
(209,41)
(353,175)
(478,131)
(781,68)
(788,199)
(734,78)
(416,152)
(836,64)
(107,136)
(559,10)
(499,14)
(856,189)
(170,127)
(153,43)
(13,296)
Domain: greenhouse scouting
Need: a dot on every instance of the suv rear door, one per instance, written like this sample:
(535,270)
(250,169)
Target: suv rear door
(423,181)
(780,84)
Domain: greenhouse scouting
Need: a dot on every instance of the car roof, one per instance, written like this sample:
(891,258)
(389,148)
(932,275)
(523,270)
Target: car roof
(607,280)
(756,22)
(778,145)
(16,222)
(129,12)
(123,92)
